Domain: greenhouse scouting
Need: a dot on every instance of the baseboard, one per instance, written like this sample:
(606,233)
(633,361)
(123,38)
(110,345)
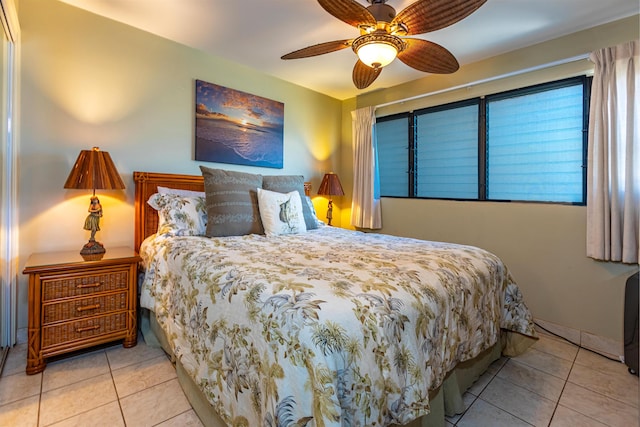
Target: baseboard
(606,346)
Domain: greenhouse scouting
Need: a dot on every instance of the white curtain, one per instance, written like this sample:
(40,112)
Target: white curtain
(365,207)
(613,182)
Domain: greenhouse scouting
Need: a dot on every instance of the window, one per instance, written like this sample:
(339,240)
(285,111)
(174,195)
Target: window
(393,156)
(447,152)
(523,145)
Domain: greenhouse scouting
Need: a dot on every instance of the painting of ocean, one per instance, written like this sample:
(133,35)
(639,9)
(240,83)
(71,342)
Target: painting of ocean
(237,127)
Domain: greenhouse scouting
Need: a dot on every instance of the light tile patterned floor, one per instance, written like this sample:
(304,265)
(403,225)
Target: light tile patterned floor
(553,384)
(107,387)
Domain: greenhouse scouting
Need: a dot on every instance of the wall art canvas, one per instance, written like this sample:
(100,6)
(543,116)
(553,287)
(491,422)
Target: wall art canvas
(237,127)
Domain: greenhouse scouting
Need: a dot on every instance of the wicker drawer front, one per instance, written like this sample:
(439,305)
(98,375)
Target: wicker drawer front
(82,329)
(83,284)
(83,307)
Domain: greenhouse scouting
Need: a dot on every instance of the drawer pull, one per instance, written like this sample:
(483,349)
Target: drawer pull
(88,307)
(89,285)
(88,328)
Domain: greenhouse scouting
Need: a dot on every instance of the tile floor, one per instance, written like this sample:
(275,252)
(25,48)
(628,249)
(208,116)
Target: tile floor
(553,384)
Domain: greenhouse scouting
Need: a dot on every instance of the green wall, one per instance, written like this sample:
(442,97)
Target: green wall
(89,81)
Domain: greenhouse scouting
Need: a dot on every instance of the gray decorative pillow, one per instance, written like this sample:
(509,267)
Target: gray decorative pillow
(286,184)
(232,202)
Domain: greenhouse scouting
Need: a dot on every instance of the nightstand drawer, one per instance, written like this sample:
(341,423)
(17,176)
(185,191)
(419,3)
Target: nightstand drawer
(82,329)
(83,307)
(83,283)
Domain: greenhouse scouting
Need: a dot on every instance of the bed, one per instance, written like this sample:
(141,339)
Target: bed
(325,327)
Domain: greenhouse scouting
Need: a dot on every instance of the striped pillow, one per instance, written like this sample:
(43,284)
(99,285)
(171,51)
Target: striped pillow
(232,202)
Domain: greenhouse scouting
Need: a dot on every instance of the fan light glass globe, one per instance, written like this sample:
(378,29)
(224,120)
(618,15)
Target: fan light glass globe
(377,54)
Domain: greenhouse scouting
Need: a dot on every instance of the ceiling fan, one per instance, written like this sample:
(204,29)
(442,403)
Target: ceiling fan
(382,34)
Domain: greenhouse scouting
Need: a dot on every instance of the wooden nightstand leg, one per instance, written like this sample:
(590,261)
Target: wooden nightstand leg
(132,332)
(35,361)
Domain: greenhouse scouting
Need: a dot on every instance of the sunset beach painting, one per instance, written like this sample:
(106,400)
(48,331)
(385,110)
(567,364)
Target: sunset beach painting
(237,127)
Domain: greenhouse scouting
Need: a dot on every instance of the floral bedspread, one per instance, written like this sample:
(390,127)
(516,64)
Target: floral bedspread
(327,328)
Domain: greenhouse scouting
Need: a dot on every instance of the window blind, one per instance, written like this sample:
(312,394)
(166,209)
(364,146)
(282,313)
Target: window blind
(447,153)
(535,146)
(393,156)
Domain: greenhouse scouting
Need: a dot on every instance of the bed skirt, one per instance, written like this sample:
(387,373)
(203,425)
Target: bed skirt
(446,400)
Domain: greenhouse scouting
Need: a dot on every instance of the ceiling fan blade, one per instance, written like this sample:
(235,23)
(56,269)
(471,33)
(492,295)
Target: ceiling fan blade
(349,11)
(318,49)
(363,75)
(425,16)
(429,57)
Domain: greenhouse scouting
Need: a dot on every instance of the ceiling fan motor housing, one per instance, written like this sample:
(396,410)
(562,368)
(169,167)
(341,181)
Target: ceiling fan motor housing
(382,12)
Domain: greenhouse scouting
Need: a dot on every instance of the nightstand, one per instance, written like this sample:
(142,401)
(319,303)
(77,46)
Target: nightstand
(76,303)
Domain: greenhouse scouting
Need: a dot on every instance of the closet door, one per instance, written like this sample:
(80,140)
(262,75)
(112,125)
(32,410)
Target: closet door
(9,36)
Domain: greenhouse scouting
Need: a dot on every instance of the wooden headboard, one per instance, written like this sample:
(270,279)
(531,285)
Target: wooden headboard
(146,218)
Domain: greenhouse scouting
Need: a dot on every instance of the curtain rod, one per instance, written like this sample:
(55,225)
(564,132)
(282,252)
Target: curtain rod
(490,79)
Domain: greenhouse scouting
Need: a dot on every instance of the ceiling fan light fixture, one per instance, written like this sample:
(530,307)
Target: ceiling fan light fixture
(377,50)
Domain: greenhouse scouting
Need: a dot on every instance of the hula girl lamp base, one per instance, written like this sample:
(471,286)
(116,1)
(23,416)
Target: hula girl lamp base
(92,248)
(92,251)
(330,186)
(93,170)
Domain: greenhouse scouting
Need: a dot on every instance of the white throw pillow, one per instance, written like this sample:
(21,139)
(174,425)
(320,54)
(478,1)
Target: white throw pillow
(281,213)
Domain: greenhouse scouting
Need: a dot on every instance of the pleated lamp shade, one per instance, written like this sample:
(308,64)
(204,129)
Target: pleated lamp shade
(94,170)
(330,186)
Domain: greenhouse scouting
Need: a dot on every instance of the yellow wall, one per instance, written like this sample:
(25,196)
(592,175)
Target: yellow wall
(89,81)
(543,244)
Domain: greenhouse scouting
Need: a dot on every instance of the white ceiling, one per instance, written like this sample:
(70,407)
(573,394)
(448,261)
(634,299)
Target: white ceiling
(256,33)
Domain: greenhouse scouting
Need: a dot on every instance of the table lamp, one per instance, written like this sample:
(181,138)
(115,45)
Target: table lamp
(93,170)
(330,186)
